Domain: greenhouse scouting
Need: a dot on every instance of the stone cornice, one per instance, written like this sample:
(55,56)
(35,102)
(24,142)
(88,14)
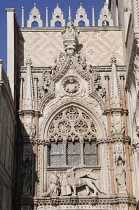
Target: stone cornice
(114,139)
(120,68)
(74,200)
(82,29)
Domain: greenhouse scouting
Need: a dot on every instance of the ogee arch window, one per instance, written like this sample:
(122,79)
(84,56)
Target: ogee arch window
(72,136)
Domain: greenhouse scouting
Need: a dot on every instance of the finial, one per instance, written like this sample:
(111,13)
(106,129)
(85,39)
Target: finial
(34,4)
(81,4)
(57,5)
(93,16)
(22,23)
(46,16)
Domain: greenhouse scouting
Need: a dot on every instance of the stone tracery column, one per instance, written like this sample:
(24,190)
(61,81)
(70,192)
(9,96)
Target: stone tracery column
(81,151)
(64,151)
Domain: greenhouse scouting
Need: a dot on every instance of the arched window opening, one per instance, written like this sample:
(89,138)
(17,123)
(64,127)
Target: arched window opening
(34,24)
(81,24)
(57,24)
(72,136)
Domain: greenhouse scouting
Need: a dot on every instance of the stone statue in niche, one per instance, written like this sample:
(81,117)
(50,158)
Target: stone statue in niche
(71,85)
(120,174)
(66,184)
(119,151)
(27,176)
(117,125)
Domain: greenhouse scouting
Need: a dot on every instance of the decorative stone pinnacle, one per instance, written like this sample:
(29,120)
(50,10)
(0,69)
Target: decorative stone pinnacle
(1,61)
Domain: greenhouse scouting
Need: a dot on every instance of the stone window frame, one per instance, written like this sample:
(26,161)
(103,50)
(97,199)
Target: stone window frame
(64,140)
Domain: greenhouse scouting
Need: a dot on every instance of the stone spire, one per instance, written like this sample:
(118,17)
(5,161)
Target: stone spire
(115,92)
(22,24)
(28,103)
(46,16)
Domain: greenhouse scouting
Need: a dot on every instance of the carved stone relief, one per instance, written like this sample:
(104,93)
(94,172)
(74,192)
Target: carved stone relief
(117,125)
(47,79)
(98,85)
(67,183)
(71,85)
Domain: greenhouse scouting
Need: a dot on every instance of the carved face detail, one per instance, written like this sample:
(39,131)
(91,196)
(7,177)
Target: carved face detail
(71,85)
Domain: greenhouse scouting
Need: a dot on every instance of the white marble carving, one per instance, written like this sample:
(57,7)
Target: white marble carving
(66,184)
(81,16)
(120,175)
(105,17)
(117,125)
(34,16)
(71,85)
(57,16)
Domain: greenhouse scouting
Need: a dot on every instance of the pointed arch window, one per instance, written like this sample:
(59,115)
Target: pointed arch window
(72,136)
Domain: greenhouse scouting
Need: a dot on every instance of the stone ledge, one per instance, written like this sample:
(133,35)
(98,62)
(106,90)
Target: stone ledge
(81,29)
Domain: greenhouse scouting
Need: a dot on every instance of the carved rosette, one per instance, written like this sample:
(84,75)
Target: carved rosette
(71,85)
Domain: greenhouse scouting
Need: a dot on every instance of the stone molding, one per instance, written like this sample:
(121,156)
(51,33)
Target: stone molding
(55,201)
(94,68)
(99,141)
(114,139)
(82,29)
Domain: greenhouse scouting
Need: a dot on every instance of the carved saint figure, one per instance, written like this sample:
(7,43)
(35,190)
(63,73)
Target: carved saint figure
(120,174)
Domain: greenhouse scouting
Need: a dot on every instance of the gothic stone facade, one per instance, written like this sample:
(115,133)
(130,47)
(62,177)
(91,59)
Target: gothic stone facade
(77,90)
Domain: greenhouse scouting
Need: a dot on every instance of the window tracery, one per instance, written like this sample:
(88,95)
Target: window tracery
(72,136)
